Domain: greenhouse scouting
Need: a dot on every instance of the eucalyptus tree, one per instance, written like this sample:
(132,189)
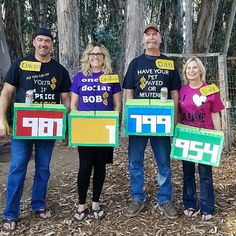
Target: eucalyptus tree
(11,23)
(205,25)
(5,60)
(68,34)
(223,21)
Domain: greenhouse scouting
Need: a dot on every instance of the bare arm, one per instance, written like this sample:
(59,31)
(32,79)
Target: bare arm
(129,94)
(216,120)
(117,101)
(174,94)
(5,100)
(65,98)
(74,101)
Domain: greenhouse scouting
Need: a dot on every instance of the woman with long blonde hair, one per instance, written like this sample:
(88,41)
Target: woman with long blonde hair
(90,94)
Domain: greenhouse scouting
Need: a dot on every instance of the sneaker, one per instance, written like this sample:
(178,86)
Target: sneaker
(134,208)
(168,210)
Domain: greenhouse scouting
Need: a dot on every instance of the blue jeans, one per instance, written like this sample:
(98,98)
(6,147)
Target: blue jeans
(206,187)
(161,148)
(21,153)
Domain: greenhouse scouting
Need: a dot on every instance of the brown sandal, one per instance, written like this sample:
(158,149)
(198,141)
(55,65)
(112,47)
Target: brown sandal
(206,217)
(82,215)
(98,213)
(44,213)
(190,212)
(9,225)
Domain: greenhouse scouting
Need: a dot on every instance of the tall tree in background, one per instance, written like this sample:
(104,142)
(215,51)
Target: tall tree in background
(165,19)
(134,24)
(175,39)
(205,25)
(229,28)
(188,26)
(11,29)
(5,60)
(68,34)
(225,9)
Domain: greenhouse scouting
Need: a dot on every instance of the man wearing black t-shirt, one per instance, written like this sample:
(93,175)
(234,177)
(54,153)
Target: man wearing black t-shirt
(50,83)
(144,79)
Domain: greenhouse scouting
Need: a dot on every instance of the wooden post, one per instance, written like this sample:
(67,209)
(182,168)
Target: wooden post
(224,92)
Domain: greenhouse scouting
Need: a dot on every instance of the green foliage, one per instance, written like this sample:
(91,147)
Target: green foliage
(221,25)
(111,39)
(175,42)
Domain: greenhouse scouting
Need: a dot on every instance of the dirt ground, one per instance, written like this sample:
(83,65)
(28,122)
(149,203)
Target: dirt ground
(62,199)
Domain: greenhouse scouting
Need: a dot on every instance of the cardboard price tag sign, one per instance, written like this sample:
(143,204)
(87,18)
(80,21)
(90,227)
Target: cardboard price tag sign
(39,121)
(100,128)
(197,145)
(149,117)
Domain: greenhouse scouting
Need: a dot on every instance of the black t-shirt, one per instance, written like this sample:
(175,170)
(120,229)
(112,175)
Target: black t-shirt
(146,79)
(47,82)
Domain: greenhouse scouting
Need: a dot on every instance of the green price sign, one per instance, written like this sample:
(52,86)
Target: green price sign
(197,145)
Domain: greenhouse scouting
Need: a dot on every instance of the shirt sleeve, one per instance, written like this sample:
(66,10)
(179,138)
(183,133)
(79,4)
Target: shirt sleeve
(66,82)
(74,87)
(128,82)
(116,88)
(217,104)
(13,74)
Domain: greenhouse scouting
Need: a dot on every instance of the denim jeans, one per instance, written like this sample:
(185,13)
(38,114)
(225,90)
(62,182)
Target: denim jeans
(206,187)
(21,151)
(161,148)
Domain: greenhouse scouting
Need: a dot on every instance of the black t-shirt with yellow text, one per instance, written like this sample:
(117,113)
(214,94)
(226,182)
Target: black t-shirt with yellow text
(146,75)
(47,80)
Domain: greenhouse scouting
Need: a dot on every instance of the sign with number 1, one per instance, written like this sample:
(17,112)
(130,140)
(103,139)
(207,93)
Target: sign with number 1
(90,128)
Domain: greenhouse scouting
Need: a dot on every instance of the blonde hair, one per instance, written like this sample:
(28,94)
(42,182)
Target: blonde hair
(200,65)
(85,65)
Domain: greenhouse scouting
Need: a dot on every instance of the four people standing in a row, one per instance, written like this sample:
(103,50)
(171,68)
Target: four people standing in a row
(142,80)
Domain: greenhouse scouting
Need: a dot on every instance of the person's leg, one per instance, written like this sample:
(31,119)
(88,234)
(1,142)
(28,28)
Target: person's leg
(83,179)
(137,145)
(207,199)
(85,170)
(43,154)
(21,151)
(161,148)
(189,185)
(99,174)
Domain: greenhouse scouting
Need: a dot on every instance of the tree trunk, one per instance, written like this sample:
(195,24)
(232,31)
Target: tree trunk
(134,25)
(68,34)
(175,39)
(20,28)
(5,60)
(189,27)
(11,31)
(206,25)
(229,28)
(164,24)
(134,30)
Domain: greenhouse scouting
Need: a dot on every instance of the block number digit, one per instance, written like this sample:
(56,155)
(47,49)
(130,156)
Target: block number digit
(199,147)
(31,123)
(112,133)
(43,126)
